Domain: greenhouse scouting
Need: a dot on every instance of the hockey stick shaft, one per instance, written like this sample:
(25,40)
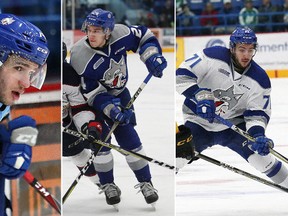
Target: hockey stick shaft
(123,151)
(114,126)
(136,94)
(30,179)
(241,172)
(248,136)
(81,173)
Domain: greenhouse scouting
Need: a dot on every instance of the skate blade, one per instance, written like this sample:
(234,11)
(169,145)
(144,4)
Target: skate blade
(115,206)
(153,205)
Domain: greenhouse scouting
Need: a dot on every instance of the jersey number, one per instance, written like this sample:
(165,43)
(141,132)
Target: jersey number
(267,98)
(136,32)
(195,59)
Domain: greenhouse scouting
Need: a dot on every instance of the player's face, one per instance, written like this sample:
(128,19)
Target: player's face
(15,76)
(96,36)
(244,54)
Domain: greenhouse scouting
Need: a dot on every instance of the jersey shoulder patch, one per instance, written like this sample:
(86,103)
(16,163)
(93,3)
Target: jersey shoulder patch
(81,53)
(120,31)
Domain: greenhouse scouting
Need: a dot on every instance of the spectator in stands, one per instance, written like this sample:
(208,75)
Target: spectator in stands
(125,21)
(185,19)
(148,19)
(210,19)
(168,10)
(284,17)
(228,18)
(248,15)
(266,20)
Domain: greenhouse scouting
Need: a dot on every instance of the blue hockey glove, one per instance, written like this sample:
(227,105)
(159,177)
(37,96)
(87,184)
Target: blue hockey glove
(16,146)
(116,113)
(205,106)
(261,144)
(153,60)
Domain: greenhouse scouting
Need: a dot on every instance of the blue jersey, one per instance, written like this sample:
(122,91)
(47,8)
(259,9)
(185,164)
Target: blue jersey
(241,98)
(104,70)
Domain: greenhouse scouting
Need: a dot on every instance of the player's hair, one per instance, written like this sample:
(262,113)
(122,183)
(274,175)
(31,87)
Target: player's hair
(243,35)
(100,18)
(22,38)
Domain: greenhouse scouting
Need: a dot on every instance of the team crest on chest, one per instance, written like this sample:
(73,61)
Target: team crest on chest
(115,75)
(225,99)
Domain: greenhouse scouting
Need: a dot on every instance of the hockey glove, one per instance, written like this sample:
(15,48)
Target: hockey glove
(205,106)
(261,144)
(118,114)
(153,60)
(92,130)
(184,145)
(16,150)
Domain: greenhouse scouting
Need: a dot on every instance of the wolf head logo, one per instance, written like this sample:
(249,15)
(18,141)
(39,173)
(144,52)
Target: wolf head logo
(225,99)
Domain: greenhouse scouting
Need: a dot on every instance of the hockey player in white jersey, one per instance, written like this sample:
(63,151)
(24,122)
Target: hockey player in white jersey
(78,116)
(101,60)
(229,83)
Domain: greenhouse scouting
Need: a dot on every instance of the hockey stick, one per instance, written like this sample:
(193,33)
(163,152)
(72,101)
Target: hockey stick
(114,126)
(139,90)
(30,179)
(248,136)
(241,172)
(122,151)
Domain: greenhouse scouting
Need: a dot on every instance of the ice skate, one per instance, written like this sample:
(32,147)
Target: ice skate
(149,192)
(112,194)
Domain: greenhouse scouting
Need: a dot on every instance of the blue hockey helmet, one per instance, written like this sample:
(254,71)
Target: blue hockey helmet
(100,18)
(243,35)
(23,39)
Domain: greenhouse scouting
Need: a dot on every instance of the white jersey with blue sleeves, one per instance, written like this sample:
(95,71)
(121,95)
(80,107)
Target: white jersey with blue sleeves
(238,97)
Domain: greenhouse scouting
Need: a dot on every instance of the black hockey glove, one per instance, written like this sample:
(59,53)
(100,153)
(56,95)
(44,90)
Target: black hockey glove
(184,145)
(92,130)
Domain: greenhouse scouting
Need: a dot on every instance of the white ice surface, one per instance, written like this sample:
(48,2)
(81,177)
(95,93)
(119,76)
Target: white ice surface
(155,118)
(204,189)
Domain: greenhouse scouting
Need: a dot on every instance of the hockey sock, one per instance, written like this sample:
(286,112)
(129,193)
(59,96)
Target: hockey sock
(80,160)
(104,163)
(139,166)
(271,167)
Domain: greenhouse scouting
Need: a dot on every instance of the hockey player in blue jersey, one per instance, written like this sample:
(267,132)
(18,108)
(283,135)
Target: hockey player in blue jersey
(229,83)
(101,59)
(23,55)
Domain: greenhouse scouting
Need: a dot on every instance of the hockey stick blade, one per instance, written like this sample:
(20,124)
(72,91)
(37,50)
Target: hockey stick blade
(31,180)
(123,151)
(241,172)
(248,136)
